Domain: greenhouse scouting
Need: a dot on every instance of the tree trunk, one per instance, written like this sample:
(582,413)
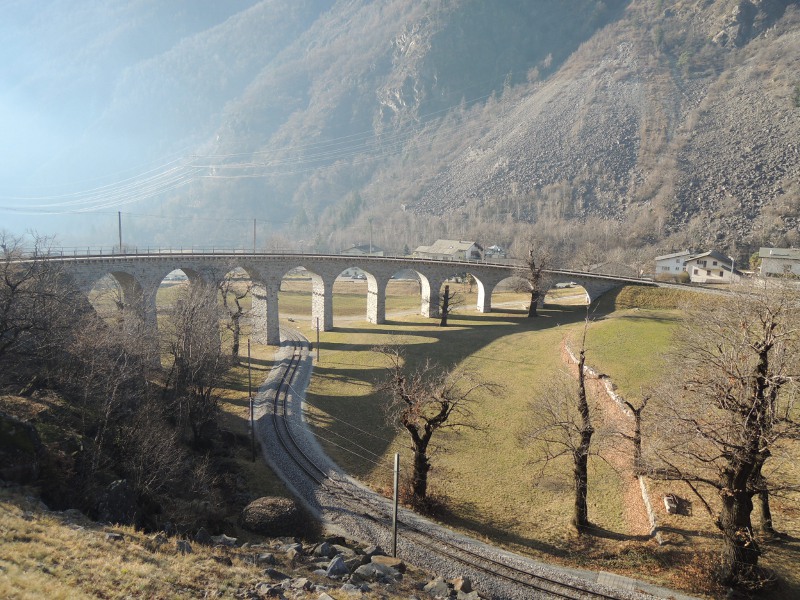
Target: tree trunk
(637,442)
(580,519)
(766,513)
(740,552)
(445,306)
(534,304)
(419,483)
(237,333)
(759,486)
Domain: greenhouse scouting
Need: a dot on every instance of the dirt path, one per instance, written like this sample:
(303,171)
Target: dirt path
(619,453)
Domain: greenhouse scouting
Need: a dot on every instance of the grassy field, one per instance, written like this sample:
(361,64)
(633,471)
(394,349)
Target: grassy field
(484,477)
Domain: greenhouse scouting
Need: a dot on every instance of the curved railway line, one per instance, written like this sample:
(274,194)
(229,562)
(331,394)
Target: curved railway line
(367,505)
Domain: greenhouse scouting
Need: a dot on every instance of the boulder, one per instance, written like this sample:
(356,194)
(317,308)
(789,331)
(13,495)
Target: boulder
(374,572)
(266,558)
(438,588)
(462,584)
(224,540)
(293,554)
(371,551)
(344,551)
(352,590)
(202,537)
(183,546)
(337,568)
(391,562)
(274,516)
(353,563)
(20,450)
(302,583)
(275,575)
(324,550)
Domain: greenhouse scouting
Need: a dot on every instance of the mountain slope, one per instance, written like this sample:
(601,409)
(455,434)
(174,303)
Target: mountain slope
(672,122)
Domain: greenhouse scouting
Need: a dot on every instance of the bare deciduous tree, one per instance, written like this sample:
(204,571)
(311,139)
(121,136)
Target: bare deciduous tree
(537,259)
(561,425)
(636,438)
(424,400)
(450,301)
(234,291)
(734,410)
(35,303)
(191,339)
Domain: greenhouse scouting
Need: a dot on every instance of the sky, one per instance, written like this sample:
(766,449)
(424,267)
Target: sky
(66,166)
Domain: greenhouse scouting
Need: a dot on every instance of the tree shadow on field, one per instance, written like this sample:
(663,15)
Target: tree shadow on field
(468,519)
(602,532)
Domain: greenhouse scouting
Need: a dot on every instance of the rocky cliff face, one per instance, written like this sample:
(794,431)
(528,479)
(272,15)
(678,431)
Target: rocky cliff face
(700,134)
(672,118)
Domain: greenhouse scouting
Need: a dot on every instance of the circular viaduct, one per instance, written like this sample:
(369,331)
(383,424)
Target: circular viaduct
(140,275)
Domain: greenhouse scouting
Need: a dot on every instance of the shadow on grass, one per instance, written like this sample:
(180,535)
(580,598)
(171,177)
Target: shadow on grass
(463,336)
(469,520)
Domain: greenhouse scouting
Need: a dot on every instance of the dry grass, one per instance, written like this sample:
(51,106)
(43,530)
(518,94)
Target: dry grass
(484,477)
(57,555)
(63,556)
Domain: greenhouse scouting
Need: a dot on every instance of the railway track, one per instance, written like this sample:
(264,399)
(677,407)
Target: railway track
(354,499)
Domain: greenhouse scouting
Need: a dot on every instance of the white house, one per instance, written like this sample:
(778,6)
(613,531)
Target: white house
(672,264)
(450,250)
(711,267)
(779,261)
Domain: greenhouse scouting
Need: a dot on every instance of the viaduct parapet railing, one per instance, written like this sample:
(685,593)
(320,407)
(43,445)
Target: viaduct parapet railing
(139,276)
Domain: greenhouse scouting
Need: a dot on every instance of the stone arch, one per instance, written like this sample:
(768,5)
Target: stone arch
(566,291)
(511,284)
(321,294)
(110,295)
(407,277)
(376,280)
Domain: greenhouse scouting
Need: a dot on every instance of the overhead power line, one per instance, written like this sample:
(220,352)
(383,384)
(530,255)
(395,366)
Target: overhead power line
(358,148)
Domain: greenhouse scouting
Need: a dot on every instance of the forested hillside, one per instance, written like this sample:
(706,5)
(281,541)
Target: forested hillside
(634,124)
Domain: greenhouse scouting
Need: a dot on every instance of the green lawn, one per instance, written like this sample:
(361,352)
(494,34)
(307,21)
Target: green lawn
(631,346)
(483,475)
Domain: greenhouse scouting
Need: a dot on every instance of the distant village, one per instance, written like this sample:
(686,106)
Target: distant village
(685,266)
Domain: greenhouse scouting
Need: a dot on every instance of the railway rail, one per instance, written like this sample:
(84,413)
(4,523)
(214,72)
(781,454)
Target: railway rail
(355,500)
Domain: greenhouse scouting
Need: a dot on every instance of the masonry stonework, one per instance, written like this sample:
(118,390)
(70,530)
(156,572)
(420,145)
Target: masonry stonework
(140,276)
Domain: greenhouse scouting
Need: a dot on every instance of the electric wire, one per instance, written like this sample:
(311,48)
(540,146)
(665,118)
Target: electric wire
(176,173)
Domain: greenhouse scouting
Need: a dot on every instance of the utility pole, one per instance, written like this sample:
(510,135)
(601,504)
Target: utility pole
(250,399)
(394,508)
(370,235)
(254,236)
(119,226)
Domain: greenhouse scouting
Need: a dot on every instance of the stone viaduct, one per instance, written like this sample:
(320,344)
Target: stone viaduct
(140,275)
